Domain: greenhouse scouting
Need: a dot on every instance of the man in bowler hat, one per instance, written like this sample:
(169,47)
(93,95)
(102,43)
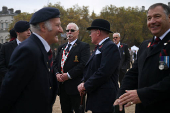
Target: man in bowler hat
(30,86)
(100,79)
(22,32)
(147,83)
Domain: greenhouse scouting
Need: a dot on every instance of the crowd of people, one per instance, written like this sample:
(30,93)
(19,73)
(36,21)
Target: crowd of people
(31,75)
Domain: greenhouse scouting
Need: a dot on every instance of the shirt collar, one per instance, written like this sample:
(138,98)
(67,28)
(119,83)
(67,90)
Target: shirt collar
(100,43)
(46,45)
(18,42)
(72,43)
(161,37)
(118,44)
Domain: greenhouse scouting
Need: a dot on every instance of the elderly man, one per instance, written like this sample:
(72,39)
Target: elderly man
(29,85)
(147,84)
(22,29)
(125,56)
(100,79)
(68,66)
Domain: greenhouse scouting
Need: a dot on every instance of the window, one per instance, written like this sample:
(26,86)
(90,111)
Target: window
(2,27)
(6,25)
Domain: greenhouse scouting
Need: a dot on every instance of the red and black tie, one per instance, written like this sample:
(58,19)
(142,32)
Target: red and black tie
(50,62)
(156,41)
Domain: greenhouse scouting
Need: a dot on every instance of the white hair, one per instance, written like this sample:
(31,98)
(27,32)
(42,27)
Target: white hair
(117,33)
(71,23)
(36,28)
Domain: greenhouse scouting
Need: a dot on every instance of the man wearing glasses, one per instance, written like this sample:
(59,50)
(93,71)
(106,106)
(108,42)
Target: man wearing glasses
(125,56)
(68,66)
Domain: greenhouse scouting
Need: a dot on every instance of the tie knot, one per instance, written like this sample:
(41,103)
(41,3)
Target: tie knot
(49,52)
(96,46)
(69,45)
(156,41)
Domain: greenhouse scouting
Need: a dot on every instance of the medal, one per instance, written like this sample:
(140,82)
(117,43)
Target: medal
(161,65)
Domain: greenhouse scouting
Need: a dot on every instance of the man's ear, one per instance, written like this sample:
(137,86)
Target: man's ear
(42,26)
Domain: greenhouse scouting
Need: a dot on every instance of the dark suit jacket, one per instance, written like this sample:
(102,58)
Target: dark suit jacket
(73,67)
(101,77)
(125,56)
(28,86)
(5,55)
(152,84)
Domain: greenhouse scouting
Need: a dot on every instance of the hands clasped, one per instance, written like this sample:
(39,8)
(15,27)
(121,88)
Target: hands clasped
(62,77)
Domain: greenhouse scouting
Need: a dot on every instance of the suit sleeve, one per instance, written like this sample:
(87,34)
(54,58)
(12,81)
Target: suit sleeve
(78,69)
(16,79)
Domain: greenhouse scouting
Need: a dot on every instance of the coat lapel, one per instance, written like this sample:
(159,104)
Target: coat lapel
(159,47)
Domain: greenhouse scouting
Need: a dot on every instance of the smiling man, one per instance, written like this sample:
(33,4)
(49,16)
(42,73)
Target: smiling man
(30,86)
(147,84)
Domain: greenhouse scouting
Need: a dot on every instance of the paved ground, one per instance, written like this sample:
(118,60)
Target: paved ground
(57,108)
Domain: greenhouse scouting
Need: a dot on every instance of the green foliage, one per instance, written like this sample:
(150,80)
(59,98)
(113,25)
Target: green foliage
(129,22)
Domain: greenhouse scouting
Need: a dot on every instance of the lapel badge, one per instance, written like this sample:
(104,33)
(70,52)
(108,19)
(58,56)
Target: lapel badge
(163,62)
(76,59)
(165,44)
(149,44)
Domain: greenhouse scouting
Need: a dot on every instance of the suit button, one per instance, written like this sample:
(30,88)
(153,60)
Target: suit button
(50,87)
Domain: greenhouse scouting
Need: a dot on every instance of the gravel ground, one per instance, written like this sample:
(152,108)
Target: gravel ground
(57,108)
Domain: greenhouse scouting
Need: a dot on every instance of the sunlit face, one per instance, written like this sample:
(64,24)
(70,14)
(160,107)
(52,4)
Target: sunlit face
(116,38)
(56,30)
(24,35)
(72,32)
(157,21)
(93,35)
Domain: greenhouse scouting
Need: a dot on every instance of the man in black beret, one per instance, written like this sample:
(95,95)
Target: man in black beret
(30,86)
(100,79)
(22,29)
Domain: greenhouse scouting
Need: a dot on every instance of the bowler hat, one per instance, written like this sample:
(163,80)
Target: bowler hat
(21,26)
(44,14)
(100,24)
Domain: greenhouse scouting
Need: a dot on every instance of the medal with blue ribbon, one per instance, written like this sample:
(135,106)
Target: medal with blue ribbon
(163,60)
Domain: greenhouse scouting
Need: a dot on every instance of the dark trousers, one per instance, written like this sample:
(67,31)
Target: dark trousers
(69,103)
(122,73)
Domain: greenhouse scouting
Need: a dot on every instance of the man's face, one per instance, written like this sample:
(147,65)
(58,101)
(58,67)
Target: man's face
(93,35)
(157,21)
(52,35)
(72,33)
(24,35)
(116,38)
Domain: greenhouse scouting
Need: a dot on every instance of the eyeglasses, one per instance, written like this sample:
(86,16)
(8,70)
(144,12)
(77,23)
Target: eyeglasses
(115,37)
(72,30)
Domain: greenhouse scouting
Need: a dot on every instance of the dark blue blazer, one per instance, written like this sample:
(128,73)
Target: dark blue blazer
(5,55)
(28,86)
(74,65)
(152,84)
(101,77)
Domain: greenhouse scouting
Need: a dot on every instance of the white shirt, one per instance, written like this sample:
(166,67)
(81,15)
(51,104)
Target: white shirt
(18,42)
(103,40)
(161,37)
(44,42)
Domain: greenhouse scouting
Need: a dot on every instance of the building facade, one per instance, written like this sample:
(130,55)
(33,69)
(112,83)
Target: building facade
(6,18)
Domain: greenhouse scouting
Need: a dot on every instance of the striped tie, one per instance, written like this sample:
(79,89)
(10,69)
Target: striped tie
(156,41)
(50,60)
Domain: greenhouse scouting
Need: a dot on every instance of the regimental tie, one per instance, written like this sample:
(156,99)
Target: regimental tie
(156,41)
(50,62)
(67,50)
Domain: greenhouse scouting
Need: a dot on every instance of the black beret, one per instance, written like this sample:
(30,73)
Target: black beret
(44,14)
(21,26)
(13,33)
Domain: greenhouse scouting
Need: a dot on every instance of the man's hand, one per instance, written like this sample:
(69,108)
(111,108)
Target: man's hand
(59,77)
(64,77)
(129,98)
(81,88)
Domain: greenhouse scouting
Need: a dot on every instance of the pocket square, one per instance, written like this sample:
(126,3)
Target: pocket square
(97,52)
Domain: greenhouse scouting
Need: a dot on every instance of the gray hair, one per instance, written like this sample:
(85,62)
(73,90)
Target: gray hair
(36,28)
(117,33)
(71,23)
(164,6)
